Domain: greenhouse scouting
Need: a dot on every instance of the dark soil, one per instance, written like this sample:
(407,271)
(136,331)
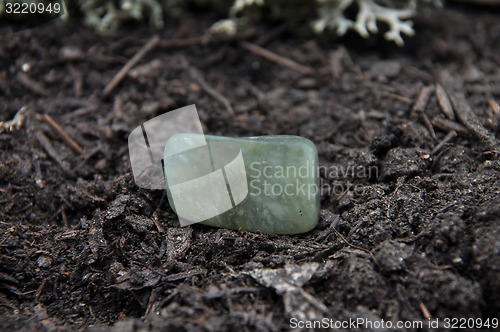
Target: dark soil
(81,246)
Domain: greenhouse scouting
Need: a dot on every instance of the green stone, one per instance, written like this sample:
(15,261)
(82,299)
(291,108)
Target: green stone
(266,184)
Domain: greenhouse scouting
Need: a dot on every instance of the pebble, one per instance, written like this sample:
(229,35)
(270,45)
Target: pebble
(44,262)
(266,184)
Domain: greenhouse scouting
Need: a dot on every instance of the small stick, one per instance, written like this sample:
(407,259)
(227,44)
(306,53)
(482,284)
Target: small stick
(79,112)
(157,224)
(446,208)
(425,312)
(40,289)
(355,246)
(444,102)
(31,84)
(64,218)
(343,193)
(89,155)
(419,108)
(451,135)
(38,172)
(402,99)
(447,126)
(494,106)
(150,45)
(468,118)
(59,131)
(428,124)
(423,98)
(271,56)
(51,152)
(92,312)
(329,230)
(197,76)
(255,91)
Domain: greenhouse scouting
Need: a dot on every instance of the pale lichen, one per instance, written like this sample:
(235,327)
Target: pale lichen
(239,5)
(108,15)
(362,16)
(332,16)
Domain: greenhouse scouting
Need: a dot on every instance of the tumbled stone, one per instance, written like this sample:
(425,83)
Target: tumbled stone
(266,184)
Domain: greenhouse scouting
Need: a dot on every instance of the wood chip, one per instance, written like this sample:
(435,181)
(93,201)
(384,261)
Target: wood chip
(425,312)
(271,56)
(428,124)
(494,106)
(423,98)
(444,102)
(453,86)
(394,96)
(468,118)
(32,85)
(40,289)
(447,126)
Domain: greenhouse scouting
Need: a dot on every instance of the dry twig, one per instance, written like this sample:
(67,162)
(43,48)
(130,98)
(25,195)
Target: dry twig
(394,96)
(447,126)
(419,108)
(453,86)
(59,131)
(444,102)
(44,141)
(494,106)
(451,135)
(198,77)
(428,124)
(355,246)
(150,45)
(425,312)
(30,84)
(469,119)
(423,98)
(271,56)
(40,289)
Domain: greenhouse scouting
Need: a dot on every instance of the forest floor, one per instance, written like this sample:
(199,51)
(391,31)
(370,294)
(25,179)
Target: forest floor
(413,233)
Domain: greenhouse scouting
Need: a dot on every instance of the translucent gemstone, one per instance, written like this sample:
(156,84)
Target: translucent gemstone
(266,184)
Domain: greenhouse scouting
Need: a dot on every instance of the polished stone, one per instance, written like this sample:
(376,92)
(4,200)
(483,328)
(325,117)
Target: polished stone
(266,184)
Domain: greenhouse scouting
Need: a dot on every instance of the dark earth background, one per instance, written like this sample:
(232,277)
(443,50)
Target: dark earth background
(81,246)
